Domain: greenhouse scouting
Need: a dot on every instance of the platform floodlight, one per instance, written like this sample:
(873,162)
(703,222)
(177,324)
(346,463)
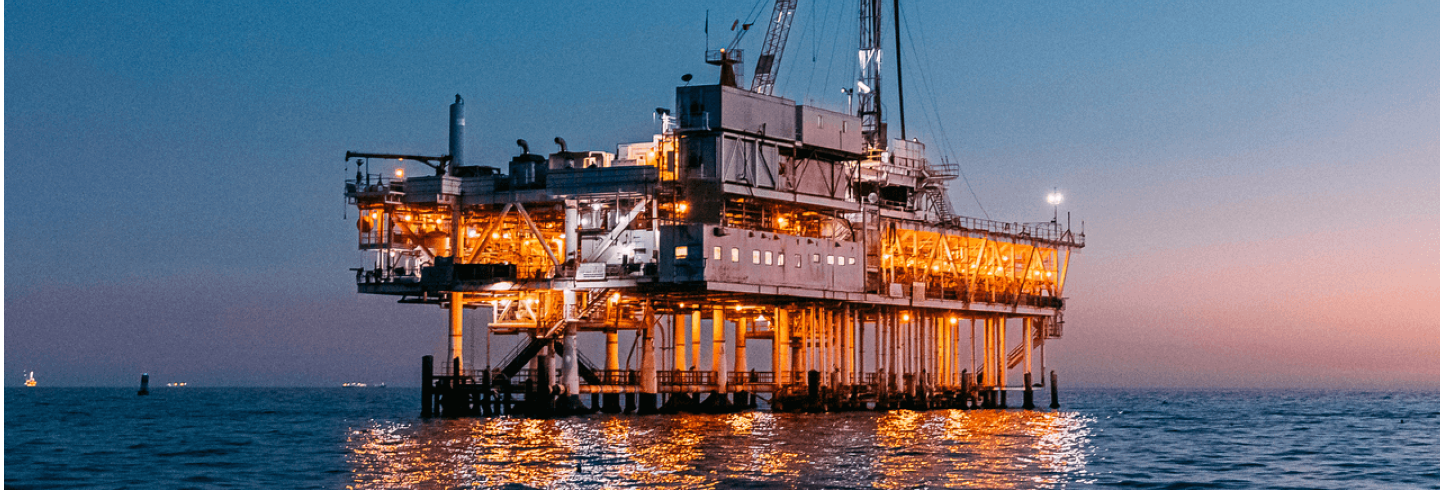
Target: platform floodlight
(1055,198)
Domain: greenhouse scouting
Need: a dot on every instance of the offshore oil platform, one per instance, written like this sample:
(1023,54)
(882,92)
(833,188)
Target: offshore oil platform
(749,225)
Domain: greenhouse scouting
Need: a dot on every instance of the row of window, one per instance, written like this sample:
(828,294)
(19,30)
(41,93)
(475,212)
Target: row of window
(767,257)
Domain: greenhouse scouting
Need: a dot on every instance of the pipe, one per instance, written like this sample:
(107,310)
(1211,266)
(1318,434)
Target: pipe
(457,135)
(457,331)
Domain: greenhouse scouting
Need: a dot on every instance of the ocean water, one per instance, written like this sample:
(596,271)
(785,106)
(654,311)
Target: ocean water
(372,439)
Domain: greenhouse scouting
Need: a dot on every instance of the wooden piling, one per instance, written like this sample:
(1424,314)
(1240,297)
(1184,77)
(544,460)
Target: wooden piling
(427,385)
(1054,391)
(965,398)
(1029,394)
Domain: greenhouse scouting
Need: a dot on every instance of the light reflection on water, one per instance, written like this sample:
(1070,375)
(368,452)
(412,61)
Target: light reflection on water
(899,449)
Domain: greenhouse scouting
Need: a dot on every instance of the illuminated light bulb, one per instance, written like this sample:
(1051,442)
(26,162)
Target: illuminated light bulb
(954,320)
(399,173)
(682,208)
(905,317)
(760,318)
(615,298)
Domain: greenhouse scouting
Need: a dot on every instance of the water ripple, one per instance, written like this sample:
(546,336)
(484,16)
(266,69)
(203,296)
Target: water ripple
(371,439)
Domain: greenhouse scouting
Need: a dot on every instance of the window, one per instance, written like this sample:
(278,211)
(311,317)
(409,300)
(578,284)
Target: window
(717,253)
(852,260)
(844,126)
(734,254)
(682,252)
(780,260)
(768,257)
(798,261)
(755,256)
(815,258)
(829,260)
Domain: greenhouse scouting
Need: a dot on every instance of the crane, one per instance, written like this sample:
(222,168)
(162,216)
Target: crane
(769,62)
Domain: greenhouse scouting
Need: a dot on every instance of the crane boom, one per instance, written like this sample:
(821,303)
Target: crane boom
(769,62)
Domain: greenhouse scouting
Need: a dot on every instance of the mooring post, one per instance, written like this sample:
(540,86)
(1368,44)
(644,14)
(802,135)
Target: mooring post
(1054,391)
(1029,394)
(965,388)
(813,379)
(144,384)
(427,376)
(487,400)
(455,394)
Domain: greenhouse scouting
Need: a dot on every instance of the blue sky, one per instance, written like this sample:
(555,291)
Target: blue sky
(1256,178)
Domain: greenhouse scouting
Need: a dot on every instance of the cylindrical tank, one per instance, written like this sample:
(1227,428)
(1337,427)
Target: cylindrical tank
(457,134)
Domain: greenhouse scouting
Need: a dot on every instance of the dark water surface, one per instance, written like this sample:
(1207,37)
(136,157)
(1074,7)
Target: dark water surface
(371,438)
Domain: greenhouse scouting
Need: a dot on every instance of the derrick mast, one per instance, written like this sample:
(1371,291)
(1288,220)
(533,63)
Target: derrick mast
(868,85)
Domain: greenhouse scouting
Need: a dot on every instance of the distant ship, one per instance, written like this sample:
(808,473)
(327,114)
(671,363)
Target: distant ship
(361,385)
(177,385)
(30,379)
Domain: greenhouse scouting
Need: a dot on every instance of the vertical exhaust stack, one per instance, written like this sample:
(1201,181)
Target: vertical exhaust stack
(457,134)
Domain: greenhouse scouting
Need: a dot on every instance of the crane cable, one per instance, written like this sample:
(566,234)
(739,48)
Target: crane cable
(939,121)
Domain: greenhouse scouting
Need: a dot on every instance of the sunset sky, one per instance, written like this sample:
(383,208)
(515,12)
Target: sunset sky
(1259,182)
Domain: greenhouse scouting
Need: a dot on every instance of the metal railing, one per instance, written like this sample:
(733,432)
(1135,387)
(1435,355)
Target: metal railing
(618,377)
(945,170)
(685,377)
(752,377)
(1041,231)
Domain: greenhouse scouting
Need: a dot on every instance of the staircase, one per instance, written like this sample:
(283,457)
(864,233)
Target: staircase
(939,201)
(1017,355)
(514,364)
(597,299)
